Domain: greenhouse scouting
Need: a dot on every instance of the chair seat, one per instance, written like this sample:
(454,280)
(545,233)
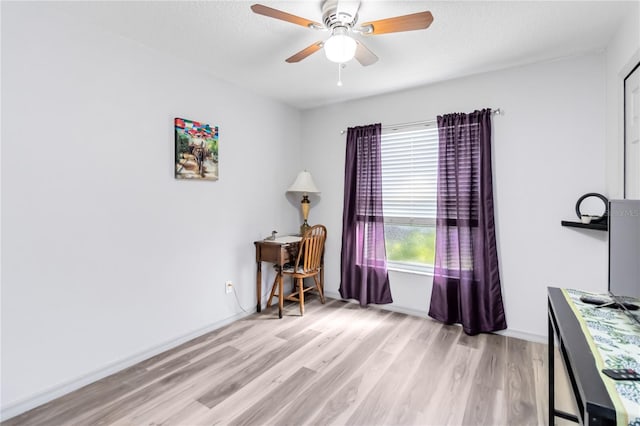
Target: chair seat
(300,270)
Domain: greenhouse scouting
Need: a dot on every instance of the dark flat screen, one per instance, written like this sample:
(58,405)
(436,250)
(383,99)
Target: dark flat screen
(624,247)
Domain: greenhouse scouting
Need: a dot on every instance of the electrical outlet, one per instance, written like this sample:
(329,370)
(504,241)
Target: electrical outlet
(228,287)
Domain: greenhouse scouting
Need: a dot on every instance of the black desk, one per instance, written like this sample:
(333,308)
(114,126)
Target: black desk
(594,405)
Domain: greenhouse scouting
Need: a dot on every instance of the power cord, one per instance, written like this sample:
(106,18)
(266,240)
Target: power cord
(235,294)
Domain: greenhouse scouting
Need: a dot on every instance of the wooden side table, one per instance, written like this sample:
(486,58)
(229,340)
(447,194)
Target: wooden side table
(278,253)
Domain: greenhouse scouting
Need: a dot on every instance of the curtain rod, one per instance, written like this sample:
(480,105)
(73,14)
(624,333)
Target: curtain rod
(496,111)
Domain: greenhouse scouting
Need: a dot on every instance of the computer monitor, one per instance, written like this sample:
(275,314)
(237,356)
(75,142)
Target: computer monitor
(624,249)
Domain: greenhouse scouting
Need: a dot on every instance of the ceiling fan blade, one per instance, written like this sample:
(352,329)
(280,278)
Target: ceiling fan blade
(284,16)
(414,21)
(364,55)
(307,51)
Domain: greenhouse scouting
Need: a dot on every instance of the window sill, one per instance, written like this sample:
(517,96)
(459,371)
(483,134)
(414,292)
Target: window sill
(410,271)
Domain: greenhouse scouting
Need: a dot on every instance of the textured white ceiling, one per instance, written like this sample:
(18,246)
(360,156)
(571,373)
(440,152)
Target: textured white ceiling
(232,43)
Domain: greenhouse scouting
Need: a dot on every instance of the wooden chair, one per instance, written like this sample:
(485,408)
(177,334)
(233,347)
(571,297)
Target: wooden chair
(308,264)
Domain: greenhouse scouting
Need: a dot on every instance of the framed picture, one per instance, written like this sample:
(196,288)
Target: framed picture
(196,150)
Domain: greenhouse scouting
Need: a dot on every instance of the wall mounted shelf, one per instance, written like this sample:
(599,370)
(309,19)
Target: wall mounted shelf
(602,226)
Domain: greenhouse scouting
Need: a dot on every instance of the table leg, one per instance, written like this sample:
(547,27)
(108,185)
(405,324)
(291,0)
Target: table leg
(550,362)
(280,295)
(259,286)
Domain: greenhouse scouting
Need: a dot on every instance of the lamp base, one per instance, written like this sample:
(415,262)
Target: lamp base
(304,227)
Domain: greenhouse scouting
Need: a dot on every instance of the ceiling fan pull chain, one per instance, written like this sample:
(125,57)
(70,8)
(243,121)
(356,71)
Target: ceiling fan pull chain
(340,74)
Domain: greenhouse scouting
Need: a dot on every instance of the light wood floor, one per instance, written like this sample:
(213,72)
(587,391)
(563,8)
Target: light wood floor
(339,364)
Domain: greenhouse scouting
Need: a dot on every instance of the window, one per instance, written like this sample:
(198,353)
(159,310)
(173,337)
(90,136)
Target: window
(409,178)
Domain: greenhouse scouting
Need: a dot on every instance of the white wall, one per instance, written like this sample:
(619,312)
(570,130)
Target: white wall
(548,151)
(106,257)
(623,53)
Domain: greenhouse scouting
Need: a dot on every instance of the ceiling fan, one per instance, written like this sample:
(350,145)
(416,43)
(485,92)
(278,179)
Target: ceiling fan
(340,18)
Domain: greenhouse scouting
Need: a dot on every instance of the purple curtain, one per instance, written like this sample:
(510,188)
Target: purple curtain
(363,268)
(466,282)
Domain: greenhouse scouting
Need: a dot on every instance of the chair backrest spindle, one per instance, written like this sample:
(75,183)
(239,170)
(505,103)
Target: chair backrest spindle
(311,247)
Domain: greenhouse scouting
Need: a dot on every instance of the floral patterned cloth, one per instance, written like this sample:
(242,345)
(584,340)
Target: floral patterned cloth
(614,339)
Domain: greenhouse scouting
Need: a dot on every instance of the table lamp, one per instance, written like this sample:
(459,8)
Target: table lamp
(304,184)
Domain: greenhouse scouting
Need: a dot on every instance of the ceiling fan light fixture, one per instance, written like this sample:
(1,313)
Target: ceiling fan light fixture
(340,48)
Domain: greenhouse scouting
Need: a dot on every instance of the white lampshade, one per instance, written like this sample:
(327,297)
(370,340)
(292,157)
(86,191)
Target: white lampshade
(304,183)
(340,47)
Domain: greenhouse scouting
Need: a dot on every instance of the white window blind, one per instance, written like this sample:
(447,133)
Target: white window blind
(409,176)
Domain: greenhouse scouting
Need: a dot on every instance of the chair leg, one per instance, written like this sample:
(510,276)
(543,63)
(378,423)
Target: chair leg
(319,287)
(273,290)
(280,295)
(301,296)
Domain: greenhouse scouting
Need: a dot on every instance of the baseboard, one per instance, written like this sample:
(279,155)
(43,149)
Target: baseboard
(523,335)
(390,307)
(21,406)
(423,314)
